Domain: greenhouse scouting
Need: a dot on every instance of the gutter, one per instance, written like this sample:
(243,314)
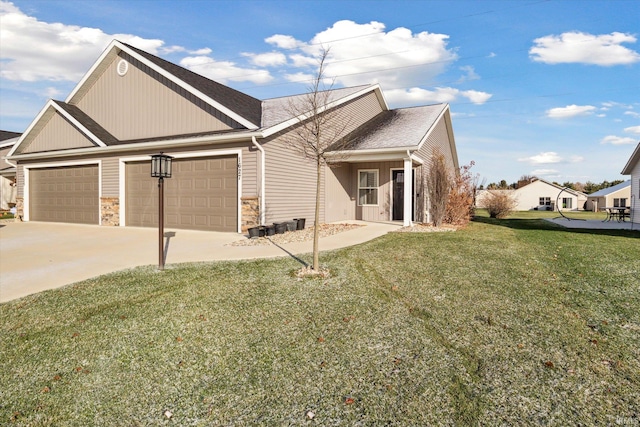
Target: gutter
(135,146)
(262,179)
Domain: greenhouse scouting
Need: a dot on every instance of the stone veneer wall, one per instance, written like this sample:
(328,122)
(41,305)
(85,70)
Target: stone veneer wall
(110,211)
(250,212)
(19,209)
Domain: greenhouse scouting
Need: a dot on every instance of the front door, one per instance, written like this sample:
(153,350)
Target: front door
(397,213)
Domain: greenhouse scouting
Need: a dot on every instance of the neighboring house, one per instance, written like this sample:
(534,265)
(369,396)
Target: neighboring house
(633,168)
(615,196)
(540,194)
(7,171)
(87,159)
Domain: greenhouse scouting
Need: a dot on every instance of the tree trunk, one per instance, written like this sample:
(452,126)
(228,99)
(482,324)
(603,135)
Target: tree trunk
(316,223)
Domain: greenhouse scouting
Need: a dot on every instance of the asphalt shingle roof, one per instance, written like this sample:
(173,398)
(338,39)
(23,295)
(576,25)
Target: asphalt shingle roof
(5,135)
(86,121)
(612,189)
(242,104)
(404,127)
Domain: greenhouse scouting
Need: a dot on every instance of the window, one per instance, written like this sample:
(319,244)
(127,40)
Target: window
(567,203)
(619,203)
(367,187)
(545,201)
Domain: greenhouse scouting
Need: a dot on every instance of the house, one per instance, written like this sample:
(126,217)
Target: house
(633,168)
(87,159)
(540,194)
(7,170)
(614,196)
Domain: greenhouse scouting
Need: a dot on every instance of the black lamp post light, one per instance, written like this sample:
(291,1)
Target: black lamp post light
(161,169)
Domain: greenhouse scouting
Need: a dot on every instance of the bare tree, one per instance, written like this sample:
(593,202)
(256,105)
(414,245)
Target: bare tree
(320,131)
(438,185)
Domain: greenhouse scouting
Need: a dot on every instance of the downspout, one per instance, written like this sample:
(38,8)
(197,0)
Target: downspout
(408,191)
(262,179)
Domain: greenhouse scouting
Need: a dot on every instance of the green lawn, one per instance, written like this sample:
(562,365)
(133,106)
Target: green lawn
(511,322)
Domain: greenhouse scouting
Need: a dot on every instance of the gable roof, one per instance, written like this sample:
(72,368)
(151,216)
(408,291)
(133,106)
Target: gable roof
(400,128)
(559,187)
(612,189)
(241,103)
(633,161)
(7,135)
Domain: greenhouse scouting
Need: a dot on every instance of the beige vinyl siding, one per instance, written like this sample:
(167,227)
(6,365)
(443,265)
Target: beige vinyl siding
(3,163)
(110,173)
(147,105)
(635,193)
(381,212)
(339,195)
(291,179)
(439,139)
(57,134)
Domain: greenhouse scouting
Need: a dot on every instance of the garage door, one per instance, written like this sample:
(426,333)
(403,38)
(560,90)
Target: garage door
(202,194)
(65,194)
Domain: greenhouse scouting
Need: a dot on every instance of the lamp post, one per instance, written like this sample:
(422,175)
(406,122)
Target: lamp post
(161,169)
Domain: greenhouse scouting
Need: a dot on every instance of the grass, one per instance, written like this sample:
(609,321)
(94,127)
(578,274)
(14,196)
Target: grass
(6,215)
(507,322)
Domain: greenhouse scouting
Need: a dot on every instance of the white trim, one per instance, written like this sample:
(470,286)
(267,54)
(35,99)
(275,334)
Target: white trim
(116,44)
(413,198)
(77,124)
(179,155)
(125,67)
(377,171)
(27,168)
(153,145)
(263,175)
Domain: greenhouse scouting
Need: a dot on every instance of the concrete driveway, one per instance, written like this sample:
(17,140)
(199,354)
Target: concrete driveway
(36,256)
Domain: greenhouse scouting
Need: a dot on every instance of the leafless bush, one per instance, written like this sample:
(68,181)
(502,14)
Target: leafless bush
(499,203)
(438,185)
(461,201)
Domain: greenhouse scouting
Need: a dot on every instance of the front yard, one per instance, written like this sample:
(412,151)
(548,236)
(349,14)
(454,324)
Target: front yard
(512,322)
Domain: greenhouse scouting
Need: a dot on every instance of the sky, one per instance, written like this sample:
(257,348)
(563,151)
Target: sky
(546,88)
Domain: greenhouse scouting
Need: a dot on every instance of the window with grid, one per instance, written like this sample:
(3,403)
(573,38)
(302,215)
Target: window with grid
(545,201)
(567,203)
(619,203)
(367,187)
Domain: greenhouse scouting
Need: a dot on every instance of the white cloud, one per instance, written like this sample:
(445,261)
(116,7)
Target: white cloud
(617,140)
(34,50)
(548,157)
(545,172)
(470,74)
(52,92)
(299,77)
(416,95)
(223,71)
(366,53)
(633,129)
(269,59)
(578,47)
(284,42)
(632,113)
(570,111)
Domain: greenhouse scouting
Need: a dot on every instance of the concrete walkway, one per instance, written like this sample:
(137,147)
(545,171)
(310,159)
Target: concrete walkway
(595,224)
(36,256)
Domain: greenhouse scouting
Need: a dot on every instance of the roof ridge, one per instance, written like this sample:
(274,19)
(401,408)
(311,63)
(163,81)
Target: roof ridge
(242,104)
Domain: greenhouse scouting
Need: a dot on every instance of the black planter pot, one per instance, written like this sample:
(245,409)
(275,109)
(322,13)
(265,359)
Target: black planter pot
(300,223)
(270,230)
(280,227)
(254,232)
(292,225)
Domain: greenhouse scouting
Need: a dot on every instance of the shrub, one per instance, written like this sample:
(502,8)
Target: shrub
(498,203)
(438,185)
(461,201)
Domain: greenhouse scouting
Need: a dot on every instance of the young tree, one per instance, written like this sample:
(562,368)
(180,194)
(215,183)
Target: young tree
(320,130)
(439,184)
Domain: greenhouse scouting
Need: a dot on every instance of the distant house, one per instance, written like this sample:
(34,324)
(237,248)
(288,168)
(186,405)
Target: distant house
(87,159)
(7,170)
(615,196)
(540,194)
(633,168)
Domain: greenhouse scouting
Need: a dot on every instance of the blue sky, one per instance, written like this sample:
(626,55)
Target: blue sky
(545,88)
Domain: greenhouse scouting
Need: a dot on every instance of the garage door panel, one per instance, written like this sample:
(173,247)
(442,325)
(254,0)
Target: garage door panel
(201,194)
(64,194)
